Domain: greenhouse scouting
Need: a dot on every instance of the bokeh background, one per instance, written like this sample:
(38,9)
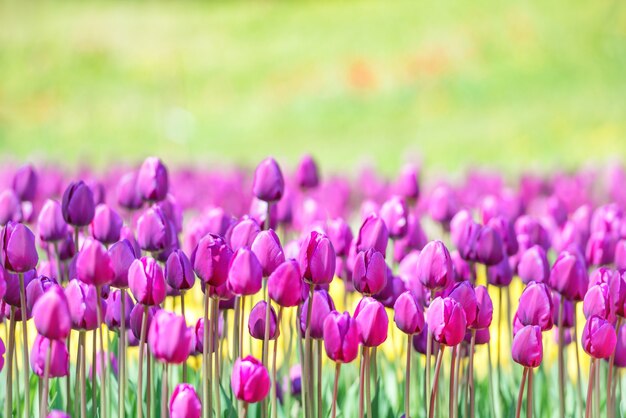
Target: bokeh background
(537,84)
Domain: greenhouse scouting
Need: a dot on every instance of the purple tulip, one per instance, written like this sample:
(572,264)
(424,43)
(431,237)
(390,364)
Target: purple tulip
(25,183)
(179,272)
(184,402)
(408,313)
(394,213)
(465,295)
(106,225)
(250,380)
(394,287)
(12,286)
(82,300)
(598,339)
(407,183)
(500,274)
(482,336)
(266,246)
(569,276)
(268,184)
(152,180)
(243,233)
(256,321)
(446,320)
(18,253)
(420,343)
(620,255)
(10,207)
(505,229)
(484,313)
(59,357)
(598,301)
(211,260)
(169,338)
(341,337)
(146,281)
(122,255)
(36,288)
(322,306)
(527,346)
(434,266)
(620,348)
(372,321)
(199,335)
(284,284)
(51,314)
(128,196)
(373,234)
(535,307)
(136,318)
(50,224)
(415,239)
(93,264)
(317,259)
(153,230)
(78,204)
(489,247)
(306,175)
(533,265)
(340,236)
(601,248)
(113,316)
(467,234)
(463,270)
(568,311)
(245,275)
(369,274)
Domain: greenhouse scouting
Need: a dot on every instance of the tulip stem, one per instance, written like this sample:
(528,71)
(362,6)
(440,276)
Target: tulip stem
(24,313)
(46,378)
(529,395)
(610,404)
(142,341)
(429,342)
(164,392)
(433,393)
(498,349)
(592,370)
(103,383)
(368,369)
(308,355)
(236,328)
(8,401)
(148,384)
(470,386)
(82,350)
(407,378)
(206,378)
(335,388)
(242,319)
(94,386)
(560,359)
(68,383)
(122,355)
(452,405)
(579,385)
(362,378)
(319,378)
(243,413)
(217,354)
(274,394)
(182,311)
(520,396)
(266,335)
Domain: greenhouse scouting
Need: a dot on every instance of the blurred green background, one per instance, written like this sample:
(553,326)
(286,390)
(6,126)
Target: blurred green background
(515,85)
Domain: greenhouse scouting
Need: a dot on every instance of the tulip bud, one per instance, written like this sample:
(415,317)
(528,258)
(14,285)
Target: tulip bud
(146,281)
(527,346)
(106,225)
(392,290)
(601,248)
(373,234)
(535,306)
(199,335)
(484,313)
(211,260)
(250,380)
(372,321)
(322,306)
(152,180)
(340,236)
(407,183)
(153,231)
(504,228)
(408,313)
(420,343)
(18,253)
(568,311)
(467,234)
(59,357)
(533,265)
(284,284)
(434,266)
(113,315)
(179,272)
(266,246)
(51,225)
(307,176)
(78,204)
(599,302)
(10,207)
(184,402)
(598,339)
(82,300)
(369,274)
(500,274)
(569,276)
(51,314)
(93,264)
(394,213)
(317,259)
(243,233)
(446,321)
(36,288)
(122,255)
(25,183)
(465,295)
(128,196)
(256,321)
(489,247)
(341,337)
(169,338)
(245,275)
(268,184)
(136,318)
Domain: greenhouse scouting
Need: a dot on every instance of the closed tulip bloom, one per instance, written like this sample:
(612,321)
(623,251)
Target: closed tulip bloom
(50,224)
(152,180)
(527,346)
(372,321)
(36,288)
(184,402)
(420,343)
(57,414)
(18,253)
(82,300)
(489,247)
(530,232)
(199,335)
(391,292)
(322,306)
(373,234)
(113,316)
(500,274)
(341,337)
(434,266)
(484,314)
(245,276)
(243,233)
(93,264)
(266,246)
(408,313)
(256,321)
(446,321)
(250,380)
(169,338)
(317,259)
(128,196)
(601,248)
(340,235)
(569,276)
(620,255)
(620,348)
(284,284)
(211,260)
(394,213)
(10,207)
(598,301)
(59,357)
(369,274)
(466,296)
(179,271)
(407,183)
(482,336)
(535,306)
(136,318)
(25,183)
(153,231)
(598,339)
(307,176)
(568,311)
(505,229)
(78,204)
(268,184)
(467,238)
(106,224)
(12,286)
(146,281)
(533,265)
(122,255)
(51,314)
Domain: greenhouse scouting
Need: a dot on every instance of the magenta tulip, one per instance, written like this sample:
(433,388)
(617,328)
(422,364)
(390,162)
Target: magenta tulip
(569,276)
(533,265)
(152,180)
(78,205)
(266,246)
(317,259)
(179,272)
(122,255)
(434,266)
(535,306)
(341,337)
(211,260)
(307,176)
(169,338)
(51,226)
(408,313)
(128,196)
(82,300)
(372,321)
(106,225)
(153,230)
(146,281)
(245,275)
(322,306)
(184,402)
(465,295)
(18,253)
(268,184)
(599,338)
(369,274)
(256,321)
(51,314)
(373,234)
(93,264)
(59,357)
(446,320)
(250,380)
(284,284)
(527,346)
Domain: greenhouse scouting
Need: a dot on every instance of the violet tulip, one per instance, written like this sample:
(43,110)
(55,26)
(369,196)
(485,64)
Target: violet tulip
(78,204)
(317,259)
(268,184)
(341,337)
(18,253)
(51,314)
(408,313)
(169,338)
(527,346)
(465,295)
(284,284)
(106,225)
(373,234)
(10,207)
(93,264)
(82,300)
(266,246)
(211,260)
(446,320)
(322,306)
(256,322)
(372,321)
(250,380)
(51,226)
(59,357)
(152,180)
(113,315)
(434,266)
(128,196)
(598,338)
(245,275)
(25,183)
(146,281)
(153,230)
(533,265)
(122,255)
(394,213)
(179,271)
(306,175)
(535,307)
(569,276)
(369,274)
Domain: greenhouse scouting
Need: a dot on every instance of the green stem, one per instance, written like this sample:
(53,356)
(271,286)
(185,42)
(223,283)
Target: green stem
(142,341)
(433,393)
(520,395)
(25,346)
(407,378)
(8,401)
(335,387)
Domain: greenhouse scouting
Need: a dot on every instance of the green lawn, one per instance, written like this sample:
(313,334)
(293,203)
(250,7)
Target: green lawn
(540,83)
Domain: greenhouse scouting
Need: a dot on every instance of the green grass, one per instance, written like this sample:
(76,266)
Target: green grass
(514,85)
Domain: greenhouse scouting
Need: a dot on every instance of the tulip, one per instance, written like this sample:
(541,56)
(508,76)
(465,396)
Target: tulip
(320,308)
(25,183)
(389,294)
(199,336)
(340,236)
(372,320)
(434,266)
(17,248)
(599,301)
(463,270)
(152,180)
(408,313)
(442,204)
(59,357)
(407,183)
(250,381)
(82,300)
(122,255)
(93,265)
(527,350)
(211,260)
(36,288)
(394,213)
(136,318)
(369,274)
(51,314)
(78,204)
(307,176)
(153,230)
(169,338)
(505,229)
(266,246)
(184,402)
(114,314)
(446,320)
(535,307)
(268,184)
(317,259)
(128,196)
(257,323)
(482,321)
(10,207)
(489,247)
(245,274)
(50,223)
(420,342)
(106,224)
(146,281)
(598,338)
(533,265)
(179,271)
(284,284)
(373,234)
(467,233)
(243,233)
(601,248)
(500,274)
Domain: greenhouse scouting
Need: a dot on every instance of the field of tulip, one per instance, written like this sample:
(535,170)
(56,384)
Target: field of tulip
(151,292)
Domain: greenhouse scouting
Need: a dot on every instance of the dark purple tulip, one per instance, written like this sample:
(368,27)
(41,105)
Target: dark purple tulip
(434,266)
(67,248)
(243,233)
(489,247)
(199,335)
(82,300)
(535,307)
(179,272)
(59,357)
(465,295)
(50,224)
(211,260)
(322,306)
(250,380)
(340,235)
(37,287)
(373,234)
(568,311)
(136,318)
(78,204)
(307,176)
(372,321)
(106,225)
(482,336)
(407,183)
(146,281)
(25,183)
(169,338)
(369,274)
(153,232)
(527,346)
(467,234)
(500,274)
(266,246)
(12,286)
(295,377)
(17,248)
(598,339)
(598,301)
(408,313)
(420,343)
(93,264)
(268,184)
(128,196)
(601,249)
(392,290)
(533,265)
(484,313)
(284,284)
(10,207)
(394,213)
(184,402)
(152,180)
(463,270)
(256,321)
(317,259)
(569,276)
(113,316)
(341,337)
(122,256)
(505,229)
(51,314)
